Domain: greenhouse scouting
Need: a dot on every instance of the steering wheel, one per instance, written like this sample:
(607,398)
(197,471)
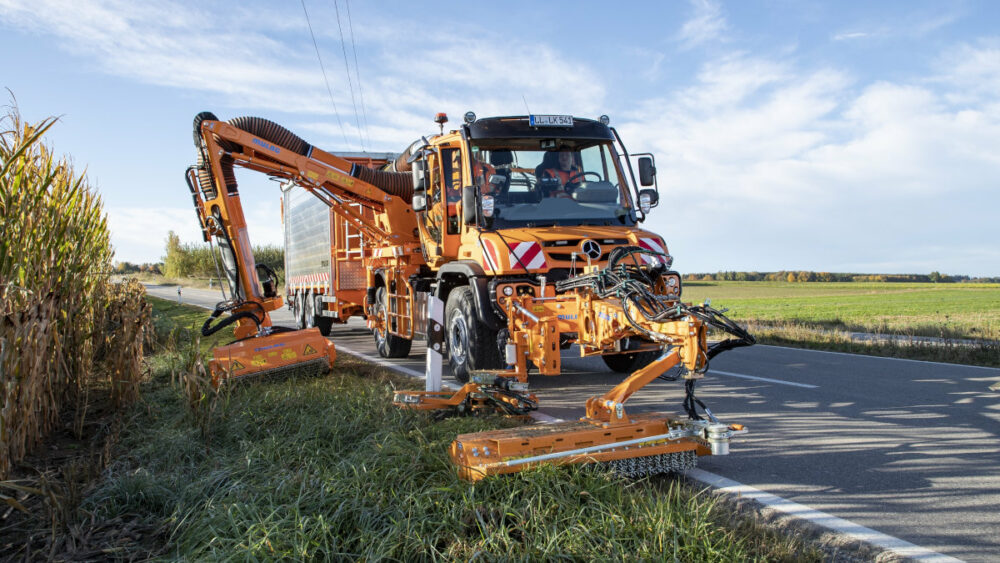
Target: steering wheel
(580,176)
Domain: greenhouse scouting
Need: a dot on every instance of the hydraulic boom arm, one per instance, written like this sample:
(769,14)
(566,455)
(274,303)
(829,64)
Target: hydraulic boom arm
(266,147)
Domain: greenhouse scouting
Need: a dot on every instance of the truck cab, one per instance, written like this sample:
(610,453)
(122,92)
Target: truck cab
(510,206)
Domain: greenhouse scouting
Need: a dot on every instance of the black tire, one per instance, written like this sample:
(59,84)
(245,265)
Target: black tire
(298,310)
(471,344)
(388,345)
(628,363)
(324,324)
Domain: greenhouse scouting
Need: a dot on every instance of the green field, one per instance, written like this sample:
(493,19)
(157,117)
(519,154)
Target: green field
(918,309)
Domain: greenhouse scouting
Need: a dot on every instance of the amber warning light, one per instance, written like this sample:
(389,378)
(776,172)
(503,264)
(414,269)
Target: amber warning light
(441,119)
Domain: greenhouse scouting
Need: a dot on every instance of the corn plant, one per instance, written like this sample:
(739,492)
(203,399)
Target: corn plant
(58,306)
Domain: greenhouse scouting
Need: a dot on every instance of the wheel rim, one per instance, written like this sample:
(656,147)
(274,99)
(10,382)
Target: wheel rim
(310,311)
(458,338)
(380,334)
(297,310)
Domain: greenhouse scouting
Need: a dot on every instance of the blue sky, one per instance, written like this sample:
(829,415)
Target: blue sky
(829,136)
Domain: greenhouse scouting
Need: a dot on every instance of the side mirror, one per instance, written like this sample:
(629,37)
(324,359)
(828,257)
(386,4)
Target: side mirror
(648,199)
(469,205)
(420,201)
(419,175)
(647,172)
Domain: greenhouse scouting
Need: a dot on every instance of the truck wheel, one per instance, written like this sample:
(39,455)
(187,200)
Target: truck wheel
(471,345)
(298,310)
(628,363)
(388,345)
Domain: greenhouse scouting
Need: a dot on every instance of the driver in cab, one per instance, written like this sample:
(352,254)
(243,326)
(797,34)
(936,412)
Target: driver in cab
(559,179)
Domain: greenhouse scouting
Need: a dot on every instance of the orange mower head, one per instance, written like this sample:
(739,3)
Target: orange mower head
(651,443)
(275,356)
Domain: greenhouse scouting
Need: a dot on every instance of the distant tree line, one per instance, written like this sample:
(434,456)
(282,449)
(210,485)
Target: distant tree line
(144,268)
(194,260)
(809,276)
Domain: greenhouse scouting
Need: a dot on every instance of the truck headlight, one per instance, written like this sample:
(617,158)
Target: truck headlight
(645,202)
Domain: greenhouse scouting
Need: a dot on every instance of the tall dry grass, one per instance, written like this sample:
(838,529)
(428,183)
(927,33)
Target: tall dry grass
(64,326)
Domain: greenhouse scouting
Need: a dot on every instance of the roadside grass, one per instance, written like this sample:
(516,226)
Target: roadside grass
(328,468)
(821,316)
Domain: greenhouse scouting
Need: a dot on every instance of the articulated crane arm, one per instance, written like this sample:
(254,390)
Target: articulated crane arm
(263,146)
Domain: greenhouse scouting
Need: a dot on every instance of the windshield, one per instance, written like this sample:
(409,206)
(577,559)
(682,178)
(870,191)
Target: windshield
(564,185)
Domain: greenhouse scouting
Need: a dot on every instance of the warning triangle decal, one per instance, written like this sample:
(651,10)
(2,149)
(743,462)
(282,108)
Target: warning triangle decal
(236,365)
(308,350)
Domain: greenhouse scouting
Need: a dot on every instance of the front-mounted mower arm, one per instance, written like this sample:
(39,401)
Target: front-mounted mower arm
(628,298)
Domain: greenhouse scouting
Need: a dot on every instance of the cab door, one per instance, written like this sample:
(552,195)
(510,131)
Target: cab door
(441,221)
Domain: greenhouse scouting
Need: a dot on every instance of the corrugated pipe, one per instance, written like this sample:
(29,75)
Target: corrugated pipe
(271,131)
(401,164)
(399,184)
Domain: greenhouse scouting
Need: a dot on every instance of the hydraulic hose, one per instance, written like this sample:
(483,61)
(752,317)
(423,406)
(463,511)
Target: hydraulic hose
(208,330)
(399,184)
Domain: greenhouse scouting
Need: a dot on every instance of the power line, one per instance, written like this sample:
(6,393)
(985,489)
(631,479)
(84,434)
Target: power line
(357,73)
(350,82)
(325,79)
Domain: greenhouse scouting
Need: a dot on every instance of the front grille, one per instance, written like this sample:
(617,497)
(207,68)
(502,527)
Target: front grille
(575,243)
(580,257)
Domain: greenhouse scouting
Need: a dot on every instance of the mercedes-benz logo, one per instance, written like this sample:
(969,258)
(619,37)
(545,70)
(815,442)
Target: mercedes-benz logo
(591,249)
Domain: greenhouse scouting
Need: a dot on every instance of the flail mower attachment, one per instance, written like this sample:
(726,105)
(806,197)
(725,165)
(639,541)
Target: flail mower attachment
(485,393)
(270,353)
(632,446)
(602,308)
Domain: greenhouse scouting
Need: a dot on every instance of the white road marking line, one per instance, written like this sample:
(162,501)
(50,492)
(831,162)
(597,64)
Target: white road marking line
(829,521)
(873,357)
(767,379)
(384,363)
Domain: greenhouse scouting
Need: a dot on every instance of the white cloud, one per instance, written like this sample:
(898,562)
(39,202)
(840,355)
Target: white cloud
(848,35)
(971,71)
(247,65)
(706,24)
(763,165)
(914,25)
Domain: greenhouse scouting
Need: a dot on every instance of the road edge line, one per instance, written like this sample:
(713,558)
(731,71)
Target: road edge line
(875,357)
(822,519)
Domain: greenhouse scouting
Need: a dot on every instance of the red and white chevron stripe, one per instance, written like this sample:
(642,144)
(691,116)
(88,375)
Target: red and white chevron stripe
(653,244)
(528,255)
(491,261)
(309,281)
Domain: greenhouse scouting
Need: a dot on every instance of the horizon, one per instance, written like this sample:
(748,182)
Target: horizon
(839,137)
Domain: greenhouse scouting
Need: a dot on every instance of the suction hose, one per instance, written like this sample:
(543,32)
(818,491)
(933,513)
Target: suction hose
(398,184)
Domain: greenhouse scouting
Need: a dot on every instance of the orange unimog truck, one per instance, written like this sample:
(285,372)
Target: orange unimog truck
(502,243)
(479,242)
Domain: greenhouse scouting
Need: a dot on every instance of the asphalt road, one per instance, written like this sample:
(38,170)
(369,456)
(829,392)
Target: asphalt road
(910,449)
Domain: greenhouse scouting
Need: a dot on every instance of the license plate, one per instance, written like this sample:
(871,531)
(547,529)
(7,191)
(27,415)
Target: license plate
(550,120)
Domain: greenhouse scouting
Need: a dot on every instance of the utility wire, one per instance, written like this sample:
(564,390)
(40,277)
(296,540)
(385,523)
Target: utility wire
(350,82)
(357,73)
(325,79)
